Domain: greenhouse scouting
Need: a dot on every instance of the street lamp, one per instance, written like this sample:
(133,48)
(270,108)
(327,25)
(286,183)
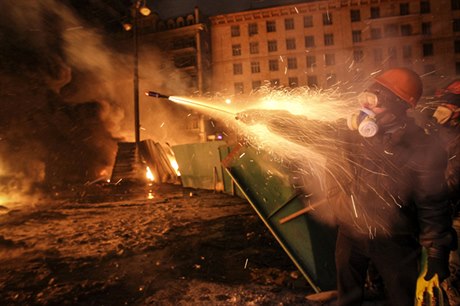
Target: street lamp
(139,7)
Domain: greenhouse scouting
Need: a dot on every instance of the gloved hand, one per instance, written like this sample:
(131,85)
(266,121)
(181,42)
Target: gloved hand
(438,266)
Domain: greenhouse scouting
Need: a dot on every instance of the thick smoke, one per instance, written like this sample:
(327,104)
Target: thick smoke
(66,98)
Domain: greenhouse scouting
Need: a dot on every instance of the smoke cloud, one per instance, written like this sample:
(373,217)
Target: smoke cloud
(66,96)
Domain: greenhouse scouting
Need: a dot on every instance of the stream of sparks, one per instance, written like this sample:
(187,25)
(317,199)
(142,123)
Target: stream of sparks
(305,143)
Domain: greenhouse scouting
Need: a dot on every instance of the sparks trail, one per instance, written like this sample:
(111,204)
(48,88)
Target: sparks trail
(186,101)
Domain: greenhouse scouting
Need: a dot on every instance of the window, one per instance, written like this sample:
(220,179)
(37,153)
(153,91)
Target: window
(293,81)
(239,88)
(329,59)
(426,28)
(407,52)
(375,12)
(390,30)
(307,21)
(309,41)
(290,44)
(356,36)
(289,23)
(427,49)
(406,30)
(358,55)
(376,33)
(255,67)
(378,56)
(456,25)
(273,65)
(355,15)
(237,69)
(272,46)
(331,79)
(253,29)
(311,61)
(256,85)
(274,82)
(457,46)
(425,7)
(404,9)
(292,63)
(455,4)
(271,26)
(457,68)
(235,31)
(327,18)
(254,47)
(236,50)
(312,80)
(328,39)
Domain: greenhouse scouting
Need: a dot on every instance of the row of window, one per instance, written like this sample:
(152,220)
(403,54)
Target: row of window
(355,16)
(425,8)
(291,63)
(272,45)
(312,81)
(392,30)
(270,25)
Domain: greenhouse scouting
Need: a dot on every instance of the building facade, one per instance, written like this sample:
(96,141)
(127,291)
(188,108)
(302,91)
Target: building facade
(336,43)
(184,41)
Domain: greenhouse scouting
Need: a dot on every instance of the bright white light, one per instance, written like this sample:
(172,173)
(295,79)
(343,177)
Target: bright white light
(149,174)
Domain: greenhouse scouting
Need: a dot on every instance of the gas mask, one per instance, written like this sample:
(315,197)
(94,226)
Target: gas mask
(364,120)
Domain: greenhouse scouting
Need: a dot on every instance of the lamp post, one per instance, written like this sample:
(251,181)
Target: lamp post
(143,10)
(136,73)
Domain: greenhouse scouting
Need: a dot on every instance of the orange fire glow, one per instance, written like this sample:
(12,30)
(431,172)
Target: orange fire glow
(149,174)
(175,165)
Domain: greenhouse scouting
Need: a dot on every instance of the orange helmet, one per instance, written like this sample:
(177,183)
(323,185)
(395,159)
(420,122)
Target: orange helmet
(404,83)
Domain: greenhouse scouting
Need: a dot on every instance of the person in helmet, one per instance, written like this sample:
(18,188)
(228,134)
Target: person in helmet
(446,115)
(387,192)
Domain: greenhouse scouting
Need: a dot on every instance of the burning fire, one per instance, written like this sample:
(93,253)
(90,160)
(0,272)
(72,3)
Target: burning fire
(175,165)
(149,175)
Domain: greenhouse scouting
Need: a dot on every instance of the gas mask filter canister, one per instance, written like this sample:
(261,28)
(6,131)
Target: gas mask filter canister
(364,122)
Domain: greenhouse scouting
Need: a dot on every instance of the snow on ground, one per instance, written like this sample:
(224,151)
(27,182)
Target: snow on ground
(120,246)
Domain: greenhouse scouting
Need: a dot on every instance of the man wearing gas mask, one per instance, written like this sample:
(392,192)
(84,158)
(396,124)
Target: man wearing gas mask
(445,124)
(387,191)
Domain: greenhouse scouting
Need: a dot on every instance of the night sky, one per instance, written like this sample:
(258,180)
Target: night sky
(108,13)
(173,8)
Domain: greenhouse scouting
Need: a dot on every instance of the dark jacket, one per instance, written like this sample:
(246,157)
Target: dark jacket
(450,137)
(389,185)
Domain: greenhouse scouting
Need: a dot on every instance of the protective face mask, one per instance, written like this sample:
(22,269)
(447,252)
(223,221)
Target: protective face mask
(364,122)
(367,99)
